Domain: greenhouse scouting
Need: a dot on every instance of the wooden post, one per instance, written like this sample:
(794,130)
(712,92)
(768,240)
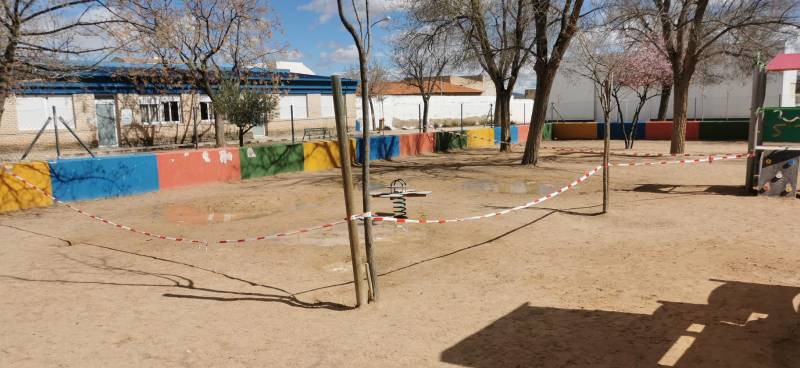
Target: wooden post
(195,116)
(359,273)
(55,130)
(419,117)
(462,118)
(753,133)
(291,116)
(606,148)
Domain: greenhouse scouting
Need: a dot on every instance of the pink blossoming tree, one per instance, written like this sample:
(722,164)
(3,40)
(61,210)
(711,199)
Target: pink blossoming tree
(642,70)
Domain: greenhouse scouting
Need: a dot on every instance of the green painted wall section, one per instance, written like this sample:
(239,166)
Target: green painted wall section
(270,160)
(448,142)
(724,131)
(547,132)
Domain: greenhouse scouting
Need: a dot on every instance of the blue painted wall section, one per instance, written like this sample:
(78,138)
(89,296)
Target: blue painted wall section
(514,135)
(380,148)
(111,176)
(616,130)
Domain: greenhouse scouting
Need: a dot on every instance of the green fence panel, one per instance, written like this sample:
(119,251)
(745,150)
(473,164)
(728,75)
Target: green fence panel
(723,131)
(270,160)
(448,141)
(781,124)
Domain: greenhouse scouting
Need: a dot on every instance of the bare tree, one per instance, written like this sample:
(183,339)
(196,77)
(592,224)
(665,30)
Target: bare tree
(362,37)
(40,38)
(496,35)
(201,40)
(597,57)
(378,77)
(691,31)
(421,60)
(550,18)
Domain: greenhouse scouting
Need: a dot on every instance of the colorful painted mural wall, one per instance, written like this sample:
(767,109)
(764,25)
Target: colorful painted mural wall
(123,175)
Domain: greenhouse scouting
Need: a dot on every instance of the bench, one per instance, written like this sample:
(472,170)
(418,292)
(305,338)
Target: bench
(316,133)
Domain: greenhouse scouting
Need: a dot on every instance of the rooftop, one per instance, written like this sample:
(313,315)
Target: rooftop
(784,62)
(443,88)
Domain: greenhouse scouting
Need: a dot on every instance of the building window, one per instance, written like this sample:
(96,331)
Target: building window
(160,109)
(206,111)
(149,113)
(169,110)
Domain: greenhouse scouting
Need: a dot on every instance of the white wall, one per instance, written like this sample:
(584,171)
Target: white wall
(444,107)
(572,98)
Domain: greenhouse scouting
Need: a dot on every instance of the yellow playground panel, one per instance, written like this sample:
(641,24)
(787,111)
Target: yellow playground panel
(480,138)
(15,195)
(324,155)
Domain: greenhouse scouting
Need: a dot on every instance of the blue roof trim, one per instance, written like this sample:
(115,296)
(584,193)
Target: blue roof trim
(113,78)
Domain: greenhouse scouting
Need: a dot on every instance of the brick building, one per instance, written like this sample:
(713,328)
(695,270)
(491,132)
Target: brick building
(113,106)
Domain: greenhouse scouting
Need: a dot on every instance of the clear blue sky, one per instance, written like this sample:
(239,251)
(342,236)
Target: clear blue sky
(313,33)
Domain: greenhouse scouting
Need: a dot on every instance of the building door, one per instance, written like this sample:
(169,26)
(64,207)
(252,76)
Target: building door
(106,123)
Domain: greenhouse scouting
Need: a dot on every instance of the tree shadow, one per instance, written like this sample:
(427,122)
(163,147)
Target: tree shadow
(743,325)
(686,189)
(173,281)
(440,256)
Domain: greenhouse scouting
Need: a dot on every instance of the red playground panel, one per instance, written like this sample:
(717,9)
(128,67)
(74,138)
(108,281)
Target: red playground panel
(662,130)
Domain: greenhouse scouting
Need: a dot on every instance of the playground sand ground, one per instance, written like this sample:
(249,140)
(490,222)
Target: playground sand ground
(683,271)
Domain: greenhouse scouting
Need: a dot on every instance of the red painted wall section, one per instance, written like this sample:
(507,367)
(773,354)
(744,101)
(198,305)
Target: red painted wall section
(184,168)
(523,133)
(662,130)
(417,144)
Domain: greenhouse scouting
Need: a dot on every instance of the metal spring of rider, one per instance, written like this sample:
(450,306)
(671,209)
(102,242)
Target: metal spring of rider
(398,186)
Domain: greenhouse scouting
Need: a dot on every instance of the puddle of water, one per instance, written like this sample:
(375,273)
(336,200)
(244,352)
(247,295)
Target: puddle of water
(511,187)
(189,215)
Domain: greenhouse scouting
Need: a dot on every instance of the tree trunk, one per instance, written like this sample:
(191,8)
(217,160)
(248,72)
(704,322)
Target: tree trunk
(503,117)
(6,74)
(365,186)
(635,120)
(679,108)
(425,104)
(543,87)
(241,137)
(621,118)
(663,103)
(505,128)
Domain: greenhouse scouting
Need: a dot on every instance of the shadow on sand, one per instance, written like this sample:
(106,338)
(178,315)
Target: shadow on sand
(743,325)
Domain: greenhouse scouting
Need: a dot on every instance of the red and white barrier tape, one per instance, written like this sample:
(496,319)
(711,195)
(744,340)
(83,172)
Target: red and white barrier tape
(569,186)
(636,154)
(709,159)
(578,150)
(177,238)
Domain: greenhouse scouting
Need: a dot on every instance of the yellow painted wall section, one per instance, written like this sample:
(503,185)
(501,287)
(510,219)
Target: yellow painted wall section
(479,138)
(324,155)
(575,131)
(15,195)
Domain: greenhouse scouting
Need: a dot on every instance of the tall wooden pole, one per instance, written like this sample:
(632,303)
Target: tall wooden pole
(359,273)
(291,117)
(606,147)
(55,130)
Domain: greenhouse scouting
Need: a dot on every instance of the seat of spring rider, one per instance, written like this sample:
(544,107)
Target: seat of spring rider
(402,194)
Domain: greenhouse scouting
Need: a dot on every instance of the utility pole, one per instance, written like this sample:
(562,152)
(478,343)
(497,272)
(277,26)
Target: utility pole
(359,272)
